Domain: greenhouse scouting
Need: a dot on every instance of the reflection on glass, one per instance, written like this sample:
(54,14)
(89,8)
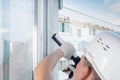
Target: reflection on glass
(16,39)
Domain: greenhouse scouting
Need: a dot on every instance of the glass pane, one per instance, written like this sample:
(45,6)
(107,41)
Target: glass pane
(16,38)
(1,45)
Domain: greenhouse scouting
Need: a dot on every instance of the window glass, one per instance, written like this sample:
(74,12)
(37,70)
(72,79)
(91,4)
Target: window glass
(1,51)
(16,39)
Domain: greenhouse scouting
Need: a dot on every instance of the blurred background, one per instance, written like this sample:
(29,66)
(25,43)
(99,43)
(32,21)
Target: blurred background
(26,27)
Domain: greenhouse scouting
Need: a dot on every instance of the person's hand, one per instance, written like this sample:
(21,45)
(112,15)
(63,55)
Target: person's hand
(69,70)
(68,50)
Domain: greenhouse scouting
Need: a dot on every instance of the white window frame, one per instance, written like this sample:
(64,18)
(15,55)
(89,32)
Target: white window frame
(46,19)
(46,24)
(39,41)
